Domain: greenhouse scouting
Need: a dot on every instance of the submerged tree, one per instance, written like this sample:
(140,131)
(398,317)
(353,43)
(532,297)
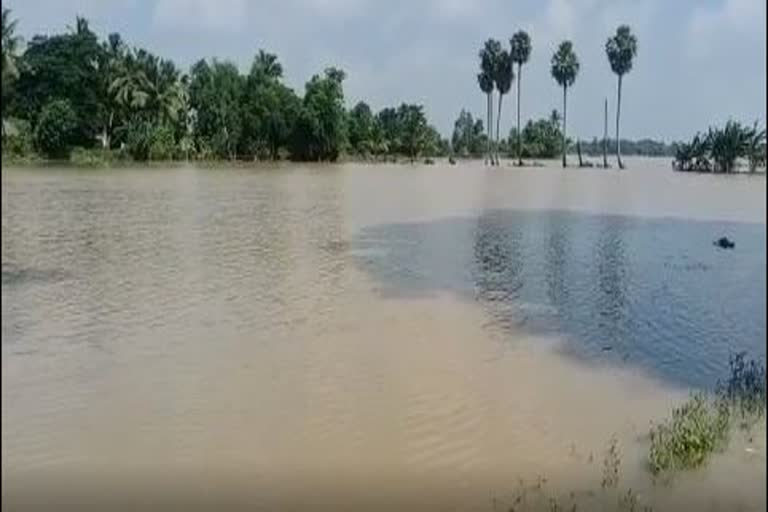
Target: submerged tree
(565,67)
(502,77)
(621,49)
(520,51)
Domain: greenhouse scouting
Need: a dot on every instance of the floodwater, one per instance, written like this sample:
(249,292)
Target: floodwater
(370,336)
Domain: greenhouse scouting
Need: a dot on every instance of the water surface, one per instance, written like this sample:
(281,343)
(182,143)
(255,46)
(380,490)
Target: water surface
(424,334)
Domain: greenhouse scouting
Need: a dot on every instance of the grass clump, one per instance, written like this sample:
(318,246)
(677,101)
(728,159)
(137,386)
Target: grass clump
(700,427)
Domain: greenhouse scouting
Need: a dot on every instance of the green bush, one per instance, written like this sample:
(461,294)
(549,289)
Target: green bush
(56,129)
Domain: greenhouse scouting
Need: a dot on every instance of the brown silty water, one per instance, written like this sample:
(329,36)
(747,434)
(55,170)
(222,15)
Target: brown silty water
(205,336)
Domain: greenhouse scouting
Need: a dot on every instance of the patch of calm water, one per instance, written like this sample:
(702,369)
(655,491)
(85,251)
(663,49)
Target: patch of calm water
(309,335)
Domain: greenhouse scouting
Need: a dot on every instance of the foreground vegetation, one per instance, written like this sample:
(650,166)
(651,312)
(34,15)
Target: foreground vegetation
(697,429)
(719,149)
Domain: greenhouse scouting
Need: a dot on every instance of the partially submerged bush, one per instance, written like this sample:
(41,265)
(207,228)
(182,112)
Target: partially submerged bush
(701,426)
(720,149)
(744,391)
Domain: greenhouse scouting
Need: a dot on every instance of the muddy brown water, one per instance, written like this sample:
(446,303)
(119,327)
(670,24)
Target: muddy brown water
(254,336)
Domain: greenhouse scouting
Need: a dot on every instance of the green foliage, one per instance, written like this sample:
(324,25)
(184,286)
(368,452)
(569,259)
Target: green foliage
(216,92)
(269,109)
(63,67)
(468,137)
(520,47)
(720,148)
(701,426)
(621,49)
(695,431)
(320,130)
(540,139)
(565,65)
(56,129)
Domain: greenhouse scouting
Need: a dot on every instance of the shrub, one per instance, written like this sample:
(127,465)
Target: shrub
(55,129)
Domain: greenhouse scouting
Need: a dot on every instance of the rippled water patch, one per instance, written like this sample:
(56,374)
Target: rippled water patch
(650,292)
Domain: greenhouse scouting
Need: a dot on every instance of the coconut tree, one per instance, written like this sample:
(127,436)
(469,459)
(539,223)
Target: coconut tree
(503,76)
(520,51)
(565,67)
(621,49)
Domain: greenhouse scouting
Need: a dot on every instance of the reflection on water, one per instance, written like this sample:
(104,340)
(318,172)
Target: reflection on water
(655,293)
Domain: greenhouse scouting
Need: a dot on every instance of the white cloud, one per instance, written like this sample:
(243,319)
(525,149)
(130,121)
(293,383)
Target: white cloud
(217,15)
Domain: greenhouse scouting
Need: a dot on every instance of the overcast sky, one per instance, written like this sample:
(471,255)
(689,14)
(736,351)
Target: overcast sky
(699,61)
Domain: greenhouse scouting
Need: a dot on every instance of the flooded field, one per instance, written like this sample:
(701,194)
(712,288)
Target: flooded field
(421,337)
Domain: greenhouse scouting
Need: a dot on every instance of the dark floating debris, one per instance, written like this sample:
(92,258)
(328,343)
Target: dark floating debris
(725,243)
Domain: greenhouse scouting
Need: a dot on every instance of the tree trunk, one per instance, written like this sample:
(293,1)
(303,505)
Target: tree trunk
(618,116)
(498,122)
(605,136)
(565,110)
(578,150)
(519,144)
(488,127)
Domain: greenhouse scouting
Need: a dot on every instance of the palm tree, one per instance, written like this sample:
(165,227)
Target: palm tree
(520,52)
(503,77)
(565,67)
(266,64)
(486,85)
(488,57)
(621,49)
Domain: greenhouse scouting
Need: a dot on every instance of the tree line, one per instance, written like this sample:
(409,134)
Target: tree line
(497,74)
(73,90)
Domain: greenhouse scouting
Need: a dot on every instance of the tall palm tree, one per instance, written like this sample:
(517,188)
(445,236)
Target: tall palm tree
(488,57)
(621,49)
(502,77)
(520,50)
(486,85)
(565,67)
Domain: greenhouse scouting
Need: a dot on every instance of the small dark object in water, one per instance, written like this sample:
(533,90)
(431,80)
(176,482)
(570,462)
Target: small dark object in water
(451,160)
(606,348)
(725,243)
(429,161)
